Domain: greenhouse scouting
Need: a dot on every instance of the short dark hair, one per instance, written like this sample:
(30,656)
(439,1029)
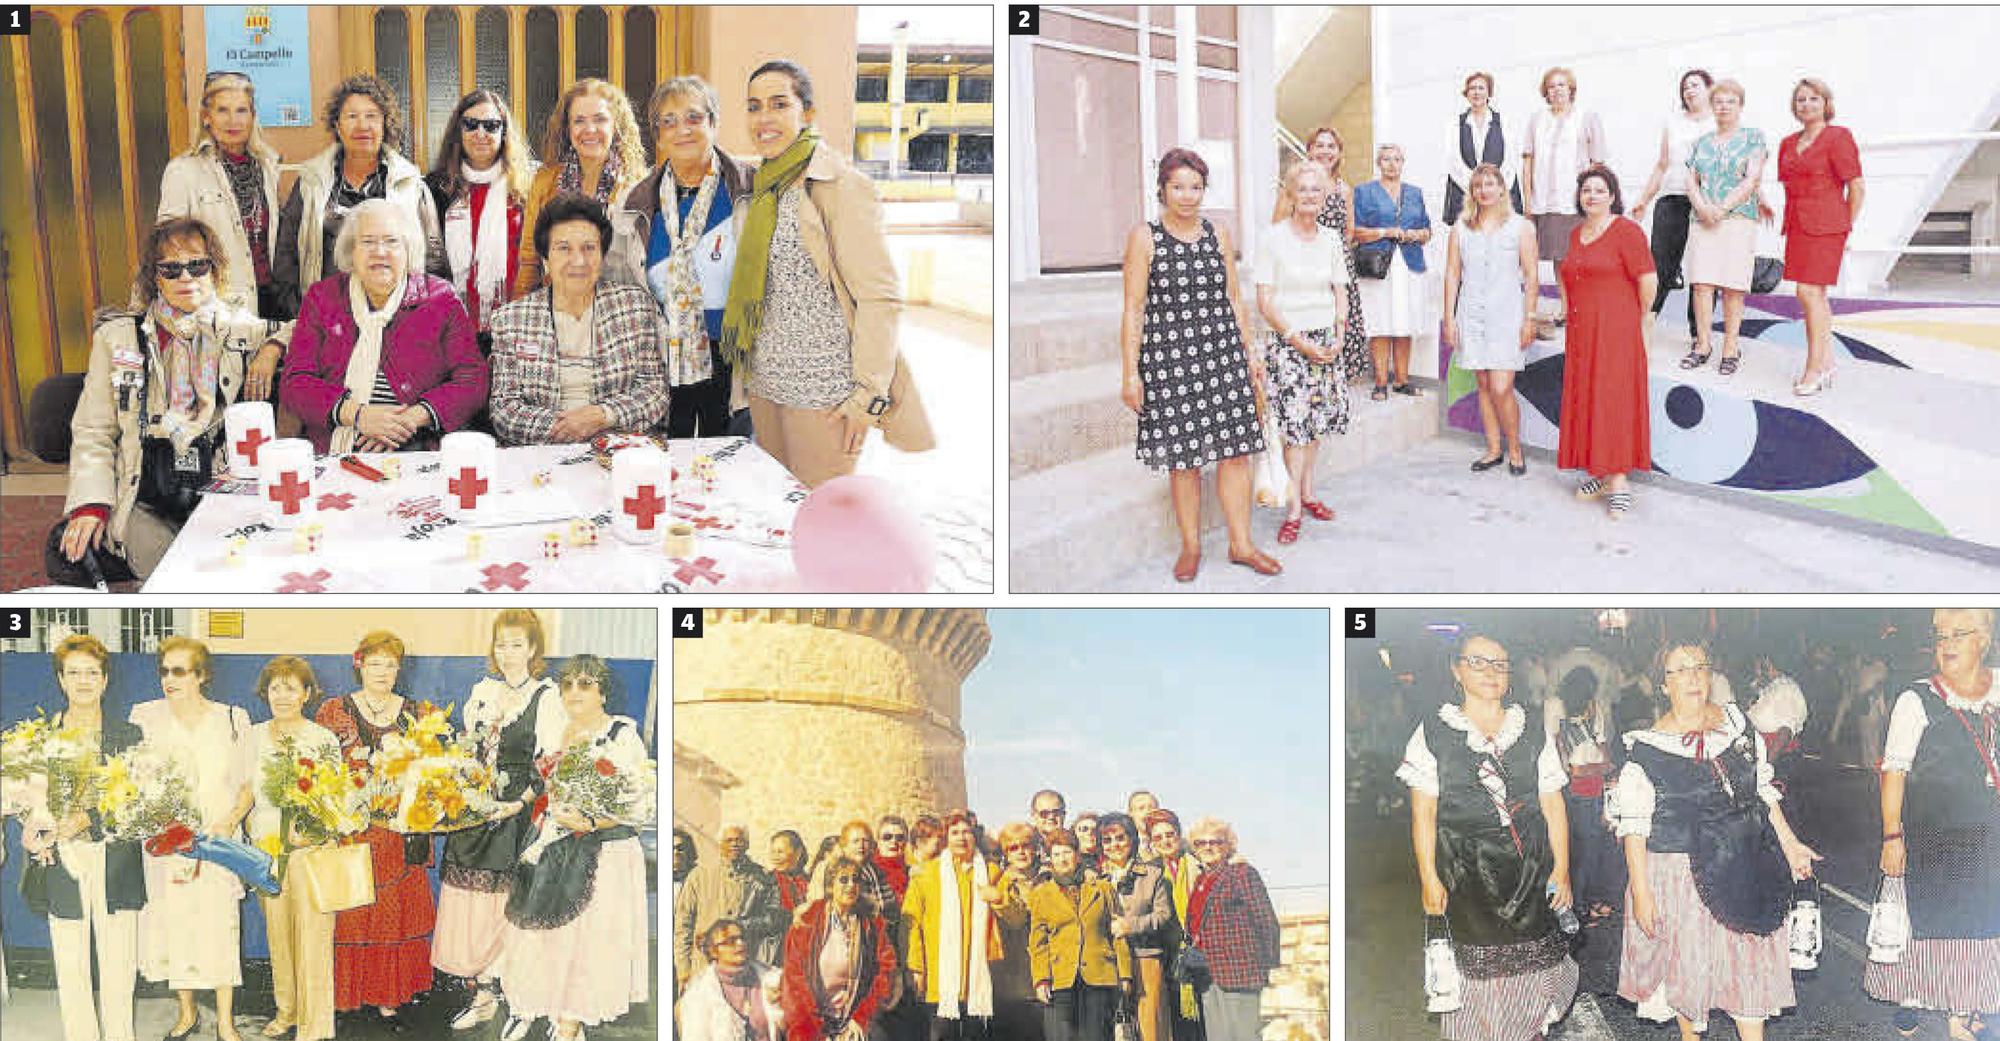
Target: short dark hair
(1577,690)
(291,667)
(173,231)
(1061,837)
(376,91)
(1122,822)
(1680,85)
(802,84)
(1603,173)
(592,667)
(567,207)
(1175,159)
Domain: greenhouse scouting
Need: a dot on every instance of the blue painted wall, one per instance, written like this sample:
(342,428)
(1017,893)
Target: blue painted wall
(27,682)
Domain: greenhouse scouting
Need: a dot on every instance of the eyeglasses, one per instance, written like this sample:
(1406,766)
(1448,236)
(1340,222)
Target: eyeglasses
(1953,637)
(1700,668)
(1480,664)
(670,121)
(1208,843)
(216,74)
(491,126)
(374,244)
(173,269)
(1052,814)
(1016,847)
(891,836)
(178,671)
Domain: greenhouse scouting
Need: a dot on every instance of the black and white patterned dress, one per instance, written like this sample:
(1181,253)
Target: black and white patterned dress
(1198,404)
(1354,359)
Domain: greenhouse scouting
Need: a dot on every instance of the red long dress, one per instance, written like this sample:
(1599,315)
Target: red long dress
(1604,402)
(381,951)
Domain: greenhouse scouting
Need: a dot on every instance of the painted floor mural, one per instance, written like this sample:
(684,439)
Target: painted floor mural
(1909,436)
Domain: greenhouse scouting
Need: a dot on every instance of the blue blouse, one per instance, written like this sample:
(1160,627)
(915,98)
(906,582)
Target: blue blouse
(1374,209)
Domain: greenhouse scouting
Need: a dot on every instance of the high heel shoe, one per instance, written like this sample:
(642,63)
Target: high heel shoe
(1806,388)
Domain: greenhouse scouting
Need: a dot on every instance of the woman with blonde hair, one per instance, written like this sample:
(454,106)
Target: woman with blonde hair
(1327,148)
(1390,221)
(1727,165)
(1303,295)
(504,716)
(591,147)
(482,150)
(1823,195)
(229,181)
(1490,285)
(1562,141)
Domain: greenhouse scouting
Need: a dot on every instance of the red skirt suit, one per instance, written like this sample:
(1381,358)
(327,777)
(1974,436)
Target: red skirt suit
(1816,220)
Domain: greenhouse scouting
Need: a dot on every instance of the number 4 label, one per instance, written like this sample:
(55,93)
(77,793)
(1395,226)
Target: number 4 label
(687,623)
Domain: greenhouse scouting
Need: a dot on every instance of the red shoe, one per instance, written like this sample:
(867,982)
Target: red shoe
(1319,510)
(1288,532)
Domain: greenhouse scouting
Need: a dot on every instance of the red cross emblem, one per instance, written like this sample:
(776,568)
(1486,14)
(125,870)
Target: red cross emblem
(513,576)
(645,505)
(709,522)
(468,486)
(703,567)
(289,491)
(313,583)
(247,448)
(336,501)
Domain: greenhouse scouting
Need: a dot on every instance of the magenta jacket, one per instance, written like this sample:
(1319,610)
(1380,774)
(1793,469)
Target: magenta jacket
(430,354)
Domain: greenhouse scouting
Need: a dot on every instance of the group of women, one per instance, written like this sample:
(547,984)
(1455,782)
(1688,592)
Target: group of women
(1321,296)
(384,307)
(175,920)
(1044,932)
(1711,855)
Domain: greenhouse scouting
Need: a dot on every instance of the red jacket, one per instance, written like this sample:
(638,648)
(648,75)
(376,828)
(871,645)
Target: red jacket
(1231,919)
(801,981)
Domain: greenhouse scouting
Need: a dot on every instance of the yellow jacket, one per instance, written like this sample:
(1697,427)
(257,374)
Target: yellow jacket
(923,903)
(1071,943)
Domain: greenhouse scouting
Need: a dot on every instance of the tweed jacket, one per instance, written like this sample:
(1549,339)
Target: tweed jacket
(629,379)
(1232,921)
(1146,903)
(430,355)
(875,965)
(1071,943)
(124,391)
(195,185)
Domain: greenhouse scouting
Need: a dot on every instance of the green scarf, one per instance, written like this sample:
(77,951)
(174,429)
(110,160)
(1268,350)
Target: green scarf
(744,315)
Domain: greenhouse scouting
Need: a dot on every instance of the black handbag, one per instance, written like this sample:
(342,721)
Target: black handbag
(170,482)
(1768,273)
(1190,965)
(1372,263)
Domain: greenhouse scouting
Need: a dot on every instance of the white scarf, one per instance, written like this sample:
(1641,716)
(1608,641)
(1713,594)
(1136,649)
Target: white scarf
(952,945)
(366,360)
(479,255)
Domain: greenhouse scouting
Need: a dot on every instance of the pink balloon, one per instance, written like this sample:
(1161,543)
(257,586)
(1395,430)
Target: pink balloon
(854,535)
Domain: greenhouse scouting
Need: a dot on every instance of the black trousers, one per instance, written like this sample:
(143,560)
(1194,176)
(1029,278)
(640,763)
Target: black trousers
(1079,1013)
(969,1028)
(1671,214)
(700,409)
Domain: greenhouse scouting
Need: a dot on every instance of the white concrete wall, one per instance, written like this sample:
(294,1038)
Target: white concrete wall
(1897,73)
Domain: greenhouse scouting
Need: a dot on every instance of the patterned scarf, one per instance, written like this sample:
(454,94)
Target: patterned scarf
(246,182)
(191,362)
(570,177)
(677,285)
(745,314)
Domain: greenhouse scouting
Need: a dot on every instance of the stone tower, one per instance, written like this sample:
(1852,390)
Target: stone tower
(806,718)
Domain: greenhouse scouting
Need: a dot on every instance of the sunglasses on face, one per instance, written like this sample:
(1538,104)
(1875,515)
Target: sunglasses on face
(491,126)
(1016,847)
(172,269)
(216,74)
(177,671)
(1055,814)
(888,837)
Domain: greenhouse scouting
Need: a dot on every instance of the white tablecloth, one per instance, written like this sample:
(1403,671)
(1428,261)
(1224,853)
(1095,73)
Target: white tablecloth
(395,537)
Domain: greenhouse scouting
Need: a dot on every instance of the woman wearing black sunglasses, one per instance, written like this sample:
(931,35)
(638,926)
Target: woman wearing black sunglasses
(1145,918)
(147,431)
(482,151)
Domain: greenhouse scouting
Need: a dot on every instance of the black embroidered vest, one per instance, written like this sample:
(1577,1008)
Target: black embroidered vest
(1951,822)
(1709,809)
(1495,869)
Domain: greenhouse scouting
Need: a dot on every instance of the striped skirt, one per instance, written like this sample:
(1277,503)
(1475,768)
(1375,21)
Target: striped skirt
(1512,1008)
(1697,963)
(1946,975)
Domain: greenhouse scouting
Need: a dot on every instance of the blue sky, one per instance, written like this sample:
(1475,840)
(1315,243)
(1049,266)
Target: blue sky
(1219,712)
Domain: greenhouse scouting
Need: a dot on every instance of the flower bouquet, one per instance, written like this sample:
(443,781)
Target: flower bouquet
(319,798)
(47,773)
(425,780)
(145,796)
(603,783)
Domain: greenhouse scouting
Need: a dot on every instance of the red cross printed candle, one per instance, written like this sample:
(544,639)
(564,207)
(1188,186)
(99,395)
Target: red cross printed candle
(642,492)
(249,426)
(470,479)
(285,482)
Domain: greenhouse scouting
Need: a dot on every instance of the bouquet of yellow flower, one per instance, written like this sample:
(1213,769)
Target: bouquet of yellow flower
(426,780)
(47,773)
(142,793)
(318,796)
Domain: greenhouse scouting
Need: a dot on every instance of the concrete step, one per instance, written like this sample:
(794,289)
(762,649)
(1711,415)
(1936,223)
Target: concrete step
(1062,416)
(1043,341)
(1084,521)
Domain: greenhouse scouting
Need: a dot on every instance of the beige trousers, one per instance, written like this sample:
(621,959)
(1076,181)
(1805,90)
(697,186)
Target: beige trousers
(1154,1022)
(117,936)
(301,960)
(805,441)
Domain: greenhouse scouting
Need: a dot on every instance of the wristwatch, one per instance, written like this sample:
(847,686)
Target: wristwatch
(879,404)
